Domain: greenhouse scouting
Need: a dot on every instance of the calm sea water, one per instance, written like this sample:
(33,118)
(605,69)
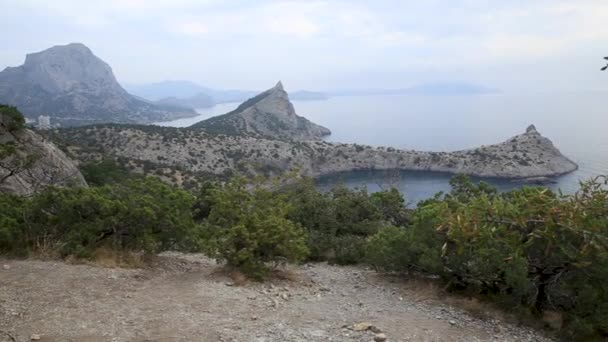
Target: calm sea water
(577,123)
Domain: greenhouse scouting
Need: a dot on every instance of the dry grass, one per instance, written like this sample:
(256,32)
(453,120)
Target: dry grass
(108,257)
(45,249)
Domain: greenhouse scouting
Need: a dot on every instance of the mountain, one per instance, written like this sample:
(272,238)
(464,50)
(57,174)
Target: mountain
(74,87)
(166,89)
(189,94)
(430,89)
(29,162)
(200,100)
(269,114)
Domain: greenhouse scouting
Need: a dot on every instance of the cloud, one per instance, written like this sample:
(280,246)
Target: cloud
(219,40)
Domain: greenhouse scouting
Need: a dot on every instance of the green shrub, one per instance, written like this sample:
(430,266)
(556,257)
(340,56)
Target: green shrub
(247,227)
(140,215)
(417,246)
(530,250)
(106,171)
(338,222)
(11,223)
(11,119)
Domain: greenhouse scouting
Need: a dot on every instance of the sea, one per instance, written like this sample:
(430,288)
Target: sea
(576,123)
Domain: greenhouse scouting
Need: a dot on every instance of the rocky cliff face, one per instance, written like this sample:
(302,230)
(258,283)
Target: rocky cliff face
(270,115)
(523,156)
(29,163)
(73,86)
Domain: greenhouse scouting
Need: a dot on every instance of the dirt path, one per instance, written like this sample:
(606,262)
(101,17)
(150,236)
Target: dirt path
(184,298)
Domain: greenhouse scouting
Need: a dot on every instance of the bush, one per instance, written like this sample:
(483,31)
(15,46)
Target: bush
(11,119)
(11,223)
(247,227)
(106,171)
(399,249)
(141,215)
(530,250)
(339,222)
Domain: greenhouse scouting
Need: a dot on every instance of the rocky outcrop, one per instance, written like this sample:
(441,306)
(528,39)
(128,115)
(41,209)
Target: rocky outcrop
(523,156)
(73,86)
(35,163)
(267,115)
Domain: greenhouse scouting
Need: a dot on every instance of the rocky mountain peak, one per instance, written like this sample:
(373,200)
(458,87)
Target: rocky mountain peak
(269,114)
(65,67)
(531,129)
(73,86)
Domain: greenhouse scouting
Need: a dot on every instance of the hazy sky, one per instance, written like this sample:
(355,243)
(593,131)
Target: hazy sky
(321,45)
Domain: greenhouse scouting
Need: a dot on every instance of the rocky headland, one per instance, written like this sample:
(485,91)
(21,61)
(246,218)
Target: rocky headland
(265,136)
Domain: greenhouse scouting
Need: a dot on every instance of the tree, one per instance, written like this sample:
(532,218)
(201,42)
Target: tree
(247,227)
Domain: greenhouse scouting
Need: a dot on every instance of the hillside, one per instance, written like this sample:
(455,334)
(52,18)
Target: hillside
(196,152)
(74,87)
(269,114)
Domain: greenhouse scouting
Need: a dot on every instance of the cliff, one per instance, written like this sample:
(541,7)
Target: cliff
(28,162)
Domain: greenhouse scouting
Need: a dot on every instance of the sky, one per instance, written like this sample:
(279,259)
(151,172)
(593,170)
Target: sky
(512,45)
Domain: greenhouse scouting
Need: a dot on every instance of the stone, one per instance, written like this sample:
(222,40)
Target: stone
(380,337)
(6,267)
(375,329)
(452,322)
(35,337)
(362,326)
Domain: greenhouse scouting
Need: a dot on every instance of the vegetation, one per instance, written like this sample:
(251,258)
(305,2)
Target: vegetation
(531,250)
(140,215)
(11,119)
(338,222)
(105,171)
(13,159)
(247,227)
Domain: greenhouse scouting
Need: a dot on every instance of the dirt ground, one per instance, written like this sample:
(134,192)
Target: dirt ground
(185,298)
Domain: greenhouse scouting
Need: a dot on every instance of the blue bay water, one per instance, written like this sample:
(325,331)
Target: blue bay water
(577,123)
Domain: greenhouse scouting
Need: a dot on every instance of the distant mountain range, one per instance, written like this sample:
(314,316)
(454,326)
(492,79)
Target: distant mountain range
(192,95)
(74,87)
(429,89)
